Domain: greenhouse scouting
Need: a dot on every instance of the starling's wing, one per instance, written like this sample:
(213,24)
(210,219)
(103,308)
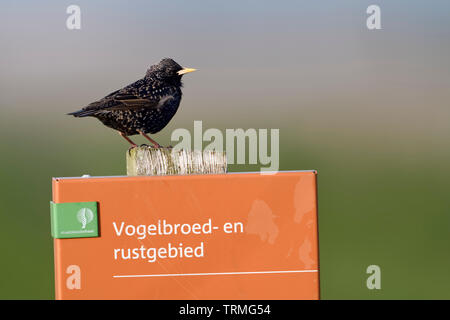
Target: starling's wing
(131,101)
(134,96)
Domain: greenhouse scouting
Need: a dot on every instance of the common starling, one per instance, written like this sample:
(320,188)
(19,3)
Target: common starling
(145,106)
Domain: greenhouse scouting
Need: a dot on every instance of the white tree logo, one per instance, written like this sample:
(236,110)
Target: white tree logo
(84,216)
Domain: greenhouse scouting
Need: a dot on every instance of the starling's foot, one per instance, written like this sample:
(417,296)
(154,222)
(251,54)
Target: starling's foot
(131,148)
(155,144)
(148,146)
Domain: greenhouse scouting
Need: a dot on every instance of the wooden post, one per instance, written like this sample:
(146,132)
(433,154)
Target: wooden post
(148,161)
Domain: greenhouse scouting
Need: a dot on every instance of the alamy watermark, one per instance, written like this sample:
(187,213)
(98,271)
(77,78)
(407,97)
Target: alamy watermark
(373,21)
(237,143)
(73,21)
(374,280)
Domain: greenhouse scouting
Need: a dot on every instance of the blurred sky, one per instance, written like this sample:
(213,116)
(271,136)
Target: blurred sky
(308,61)
(369,109)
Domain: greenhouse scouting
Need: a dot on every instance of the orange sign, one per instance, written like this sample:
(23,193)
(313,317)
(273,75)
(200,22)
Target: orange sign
(229,236)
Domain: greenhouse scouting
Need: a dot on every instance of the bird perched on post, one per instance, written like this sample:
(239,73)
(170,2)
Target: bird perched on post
(145,106)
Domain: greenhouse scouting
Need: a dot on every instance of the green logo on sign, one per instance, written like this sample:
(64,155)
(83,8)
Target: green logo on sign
(74,219)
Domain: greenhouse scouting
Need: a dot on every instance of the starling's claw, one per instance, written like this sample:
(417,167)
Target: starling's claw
(131,148)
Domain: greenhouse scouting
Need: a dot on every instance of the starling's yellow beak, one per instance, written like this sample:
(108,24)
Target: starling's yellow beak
(185,70)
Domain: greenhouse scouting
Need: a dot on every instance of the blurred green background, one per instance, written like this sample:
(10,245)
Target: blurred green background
(368,109)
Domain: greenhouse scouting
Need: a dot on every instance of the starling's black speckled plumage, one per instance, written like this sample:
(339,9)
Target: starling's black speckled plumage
(145,106)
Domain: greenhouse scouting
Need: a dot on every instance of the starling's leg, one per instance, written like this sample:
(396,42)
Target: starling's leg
(133,145)
(156,144)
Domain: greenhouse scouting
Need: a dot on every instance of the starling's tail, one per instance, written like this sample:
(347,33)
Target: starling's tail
(82,113)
